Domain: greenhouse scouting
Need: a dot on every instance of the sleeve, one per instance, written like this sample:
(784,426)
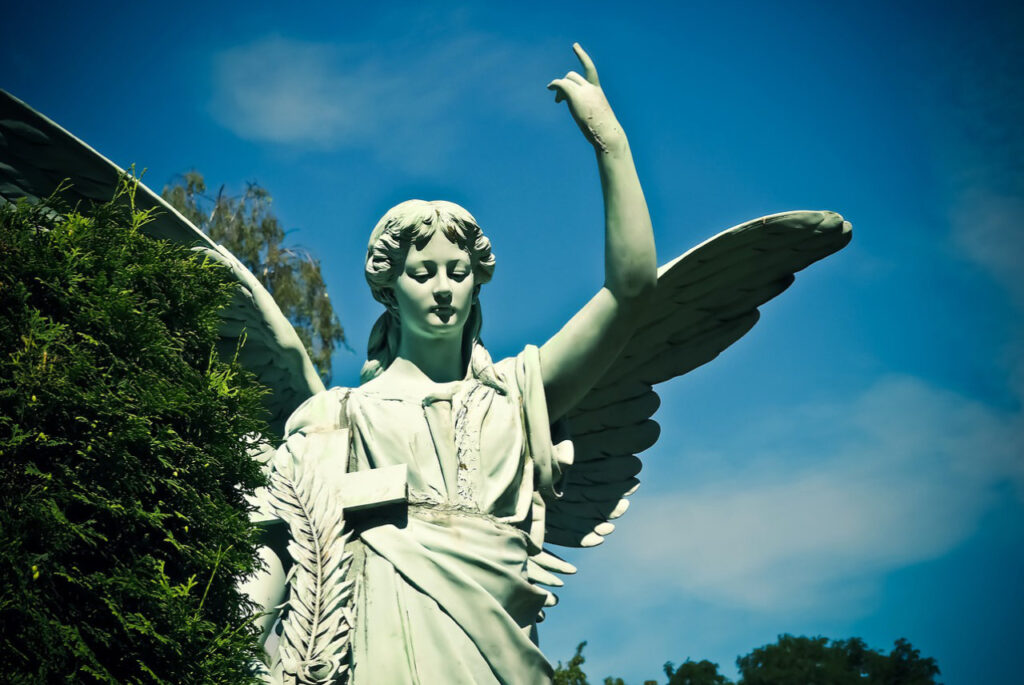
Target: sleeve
(317,435)
(550,457)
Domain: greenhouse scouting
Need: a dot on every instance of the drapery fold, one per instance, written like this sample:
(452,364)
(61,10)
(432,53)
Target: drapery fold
(470,603)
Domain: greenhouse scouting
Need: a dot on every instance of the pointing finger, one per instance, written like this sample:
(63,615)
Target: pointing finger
(588,64)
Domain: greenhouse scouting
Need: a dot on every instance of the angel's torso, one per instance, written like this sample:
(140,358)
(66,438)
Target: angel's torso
(463,444)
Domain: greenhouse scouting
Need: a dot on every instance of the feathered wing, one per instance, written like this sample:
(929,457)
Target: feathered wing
(705,300)
(37,157)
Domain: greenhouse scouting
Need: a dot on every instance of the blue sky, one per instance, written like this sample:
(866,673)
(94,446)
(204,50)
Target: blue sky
(854,465)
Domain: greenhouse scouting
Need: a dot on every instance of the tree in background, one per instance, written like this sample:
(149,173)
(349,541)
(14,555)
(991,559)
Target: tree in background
(792,661)
(247,227)
(808,660)
(695,673)
(123,457)
(572,673)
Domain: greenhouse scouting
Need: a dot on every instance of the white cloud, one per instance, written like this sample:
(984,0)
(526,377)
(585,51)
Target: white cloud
(287,91)
(902,474)
(404,99)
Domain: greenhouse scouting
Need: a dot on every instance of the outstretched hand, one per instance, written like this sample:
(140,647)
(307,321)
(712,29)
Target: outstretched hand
(588,105)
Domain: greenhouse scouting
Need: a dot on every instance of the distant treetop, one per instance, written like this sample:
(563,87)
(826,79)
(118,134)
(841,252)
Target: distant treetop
(247,227)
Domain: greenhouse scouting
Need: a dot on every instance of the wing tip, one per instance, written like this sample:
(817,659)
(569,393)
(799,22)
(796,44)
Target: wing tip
(552,562)
(619,509)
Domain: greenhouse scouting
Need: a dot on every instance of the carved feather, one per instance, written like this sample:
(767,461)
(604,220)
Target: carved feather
(627,412)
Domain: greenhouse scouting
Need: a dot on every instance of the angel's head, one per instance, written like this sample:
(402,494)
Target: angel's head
(425,263)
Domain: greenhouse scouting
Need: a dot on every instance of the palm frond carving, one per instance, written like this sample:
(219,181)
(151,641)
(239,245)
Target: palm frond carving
(314,643)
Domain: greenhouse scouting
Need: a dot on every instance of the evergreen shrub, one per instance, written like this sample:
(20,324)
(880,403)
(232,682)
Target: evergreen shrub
(123,456)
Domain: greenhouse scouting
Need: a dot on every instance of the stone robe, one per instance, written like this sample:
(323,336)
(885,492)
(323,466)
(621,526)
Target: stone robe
(441,593)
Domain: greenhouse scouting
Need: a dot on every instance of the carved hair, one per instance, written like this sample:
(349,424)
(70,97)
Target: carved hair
(414,222)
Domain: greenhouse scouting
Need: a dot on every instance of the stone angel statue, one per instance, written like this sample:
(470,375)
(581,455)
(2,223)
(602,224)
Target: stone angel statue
(412,521)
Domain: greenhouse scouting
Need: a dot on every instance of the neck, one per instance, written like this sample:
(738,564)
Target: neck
(439,359)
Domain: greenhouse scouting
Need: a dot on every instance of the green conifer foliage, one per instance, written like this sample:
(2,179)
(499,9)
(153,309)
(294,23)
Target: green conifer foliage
(123,463)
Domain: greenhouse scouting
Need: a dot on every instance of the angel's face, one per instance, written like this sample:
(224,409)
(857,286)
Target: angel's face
(434,291)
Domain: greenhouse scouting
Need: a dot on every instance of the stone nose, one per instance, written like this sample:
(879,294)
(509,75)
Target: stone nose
(443,293)
(442,285)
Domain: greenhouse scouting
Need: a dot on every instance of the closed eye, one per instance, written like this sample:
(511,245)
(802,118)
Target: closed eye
(458,275)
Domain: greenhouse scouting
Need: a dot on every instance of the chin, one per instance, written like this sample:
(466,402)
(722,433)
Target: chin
(448,329)
(436,327)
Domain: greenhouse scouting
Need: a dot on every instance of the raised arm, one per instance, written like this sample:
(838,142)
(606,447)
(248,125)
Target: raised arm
(576,357)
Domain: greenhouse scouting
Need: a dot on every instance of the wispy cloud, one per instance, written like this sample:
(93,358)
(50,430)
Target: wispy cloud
(975,110)
(403,99)
(898,475)
(983,153)
(988,227)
